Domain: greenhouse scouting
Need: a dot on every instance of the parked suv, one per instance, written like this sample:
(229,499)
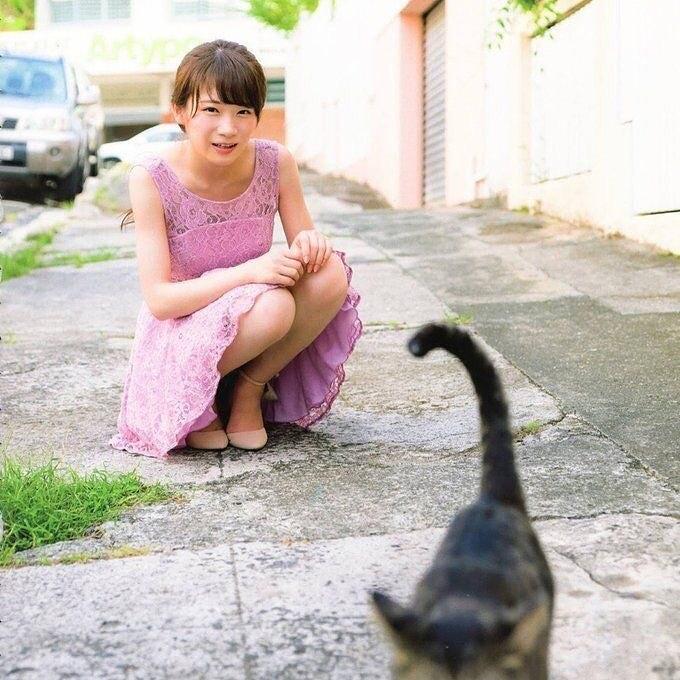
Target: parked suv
(51,124)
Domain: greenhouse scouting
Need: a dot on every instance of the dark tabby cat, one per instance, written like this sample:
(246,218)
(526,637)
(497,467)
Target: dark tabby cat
(483,609)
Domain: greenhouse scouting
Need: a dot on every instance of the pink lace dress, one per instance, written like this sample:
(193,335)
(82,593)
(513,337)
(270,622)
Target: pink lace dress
(172,374)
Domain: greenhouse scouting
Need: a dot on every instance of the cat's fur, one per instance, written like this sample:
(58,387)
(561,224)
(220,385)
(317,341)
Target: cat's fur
(483,609)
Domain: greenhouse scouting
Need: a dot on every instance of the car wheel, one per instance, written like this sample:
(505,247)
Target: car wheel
(85,174)
(70,186)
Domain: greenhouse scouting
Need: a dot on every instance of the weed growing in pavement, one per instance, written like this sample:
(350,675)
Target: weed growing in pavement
(532,427)
(458,319)
(43,504)
(25,259)
(78,259)
(82,557)
(30,257)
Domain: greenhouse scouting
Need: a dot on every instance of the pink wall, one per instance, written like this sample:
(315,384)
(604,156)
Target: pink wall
(364,124)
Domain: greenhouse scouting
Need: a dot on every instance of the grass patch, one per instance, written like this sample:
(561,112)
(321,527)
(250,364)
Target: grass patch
(82,557)
(532,427)
(9,338)
(24,260)
(458,319)
(44,505)
(31,256)
(78,259)
(391,325)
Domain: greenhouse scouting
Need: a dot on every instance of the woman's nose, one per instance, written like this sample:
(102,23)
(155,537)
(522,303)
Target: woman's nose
(226,127)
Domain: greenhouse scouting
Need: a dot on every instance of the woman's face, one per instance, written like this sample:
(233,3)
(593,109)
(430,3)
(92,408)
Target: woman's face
(216,123)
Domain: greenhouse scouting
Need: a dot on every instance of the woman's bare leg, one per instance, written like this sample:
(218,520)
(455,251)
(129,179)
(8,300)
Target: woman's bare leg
(318,297)
(265,323)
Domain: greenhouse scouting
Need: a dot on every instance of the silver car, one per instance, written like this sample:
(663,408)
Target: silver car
(51,124)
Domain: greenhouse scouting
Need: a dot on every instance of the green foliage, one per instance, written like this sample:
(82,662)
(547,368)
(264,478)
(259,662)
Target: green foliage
(43,505)
(17,15)
(78,259)
(26,259)
(542,13)
(454,319)
(282,14)
(532,427)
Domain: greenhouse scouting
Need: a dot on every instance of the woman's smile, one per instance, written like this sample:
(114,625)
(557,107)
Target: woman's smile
(224,149)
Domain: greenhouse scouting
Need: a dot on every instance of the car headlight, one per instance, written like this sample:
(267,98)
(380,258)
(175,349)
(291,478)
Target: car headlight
(57,122)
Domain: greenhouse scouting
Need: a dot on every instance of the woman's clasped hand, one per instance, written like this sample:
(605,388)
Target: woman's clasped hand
(308,252)
(315,249)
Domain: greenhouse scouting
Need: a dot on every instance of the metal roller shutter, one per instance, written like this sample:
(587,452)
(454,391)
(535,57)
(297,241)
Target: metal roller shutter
(434,167)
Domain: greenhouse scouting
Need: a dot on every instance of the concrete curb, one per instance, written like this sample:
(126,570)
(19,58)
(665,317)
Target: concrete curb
(44,222)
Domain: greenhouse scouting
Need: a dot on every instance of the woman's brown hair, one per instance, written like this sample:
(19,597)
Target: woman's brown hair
(225,68)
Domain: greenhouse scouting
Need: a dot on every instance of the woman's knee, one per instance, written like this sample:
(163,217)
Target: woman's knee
(276,309)
(330,282)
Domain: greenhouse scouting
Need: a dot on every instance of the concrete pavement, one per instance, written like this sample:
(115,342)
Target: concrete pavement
(262,570)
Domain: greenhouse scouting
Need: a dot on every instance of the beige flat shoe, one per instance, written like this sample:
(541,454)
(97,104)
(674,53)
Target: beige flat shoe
(250,440)
(215,440)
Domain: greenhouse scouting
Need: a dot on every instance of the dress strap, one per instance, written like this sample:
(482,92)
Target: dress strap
(154,166)
(267,184)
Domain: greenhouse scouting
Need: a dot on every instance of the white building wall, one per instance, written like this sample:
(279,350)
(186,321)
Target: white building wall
(626,122)
(598,149)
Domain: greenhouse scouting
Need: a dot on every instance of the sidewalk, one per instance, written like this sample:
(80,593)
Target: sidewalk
(263,571)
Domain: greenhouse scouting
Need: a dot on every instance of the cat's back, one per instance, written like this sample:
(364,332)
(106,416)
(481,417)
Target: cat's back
(495,537)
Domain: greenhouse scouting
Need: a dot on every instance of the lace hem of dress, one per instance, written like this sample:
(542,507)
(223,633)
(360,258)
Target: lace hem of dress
(322,409)
(221,342)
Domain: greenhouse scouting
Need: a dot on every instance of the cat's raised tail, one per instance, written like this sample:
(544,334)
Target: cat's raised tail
(499,477)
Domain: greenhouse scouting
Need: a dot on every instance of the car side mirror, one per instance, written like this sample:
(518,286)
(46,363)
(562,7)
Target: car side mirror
(89,96)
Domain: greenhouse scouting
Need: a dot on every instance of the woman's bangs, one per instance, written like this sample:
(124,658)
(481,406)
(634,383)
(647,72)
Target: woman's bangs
(231,85)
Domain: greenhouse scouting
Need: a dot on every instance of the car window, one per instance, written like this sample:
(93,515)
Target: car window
(32,79)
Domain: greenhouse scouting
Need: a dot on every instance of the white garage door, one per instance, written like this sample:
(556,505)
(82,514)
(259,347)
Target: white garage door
(434,170)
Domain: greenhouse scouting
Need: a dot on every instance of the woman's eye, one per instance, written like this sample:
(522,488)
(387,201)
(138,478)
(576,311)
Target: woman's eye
(210,108)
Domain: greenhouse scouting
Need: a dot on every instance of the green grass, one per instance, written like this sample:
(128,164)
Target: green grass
(26,259)
(44,504)
(81,557)
(532,427)
(458,319)
(78,259)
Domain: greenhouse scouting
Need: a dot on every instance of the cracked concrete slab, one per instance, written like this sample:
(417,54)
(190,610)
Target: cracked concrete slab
(287,609)
(295,492)
(595,558)
(592,320)
(173,616)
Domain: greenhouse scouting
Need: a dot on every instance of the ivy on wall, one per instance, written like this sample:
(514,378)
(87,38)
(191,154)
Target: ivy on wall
(17,15)
(285,14)
(543,14)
